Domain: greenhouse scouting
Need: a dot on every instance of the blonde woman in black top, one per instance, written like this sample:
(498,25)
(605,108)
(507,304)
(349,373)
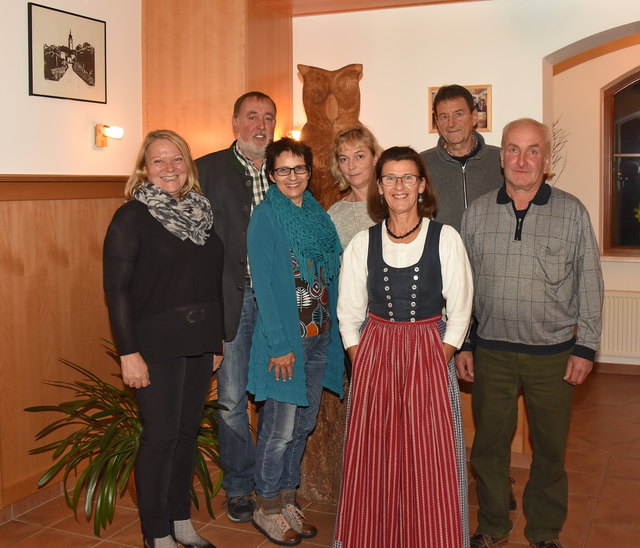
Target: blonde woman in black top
(162,278)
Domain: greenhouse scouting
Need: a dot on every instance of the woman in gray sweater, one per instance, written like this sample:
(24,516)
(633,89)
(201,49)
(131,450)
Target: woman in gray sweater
(353,158)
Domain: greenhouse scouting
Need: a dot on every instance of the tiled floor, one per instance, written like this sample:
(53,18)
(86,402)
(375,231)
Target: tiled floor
(604,483)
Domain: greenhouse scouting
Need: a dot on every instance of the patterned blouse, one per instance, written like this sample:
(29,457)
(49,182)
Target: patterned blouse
(313,304)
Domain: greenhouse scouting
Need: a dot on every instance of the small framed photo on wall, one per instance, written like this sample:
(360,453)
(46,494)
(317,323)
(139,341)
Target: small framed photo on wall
(482,102)
(67,55)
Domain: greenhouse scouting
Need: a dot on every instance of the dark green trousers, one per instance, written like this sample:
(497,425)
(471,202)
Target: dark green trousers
(499,378)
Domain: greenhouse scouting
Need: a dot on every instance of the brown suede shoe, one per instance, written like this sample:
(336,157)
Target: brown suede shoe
(295,518)
(294,515)
(268,519)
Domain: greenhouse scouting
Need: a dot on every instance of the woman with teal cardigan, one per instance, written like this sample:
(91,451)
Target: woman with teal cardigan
(296,350)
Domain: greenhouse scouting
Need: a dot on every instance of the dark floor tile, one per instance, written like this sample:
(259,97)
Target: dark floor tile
(584,483)
(50,538)
(126,501)
(48,513)
(224,521)
(592,462)
(612,511)
(517,533)
(223,537)
(122,518)
(624,467)
(13,531)
(473,518)
(201,514)
(128,536)
(612,536)
(325,524)
(599,390)
(602,433)
(574,534)
(110,544)
(629,446)
(473,493)
(574,443)
(322,507)
(580,514)
(623,489)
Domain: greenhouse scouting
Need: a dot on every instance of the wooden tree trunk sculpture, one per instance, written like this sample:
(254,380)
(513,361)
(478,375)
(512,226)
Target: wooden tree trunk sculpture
(331,101)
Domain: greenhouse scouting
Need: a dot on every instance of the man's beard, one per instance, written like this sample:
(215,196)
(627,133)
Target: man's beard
(251,150)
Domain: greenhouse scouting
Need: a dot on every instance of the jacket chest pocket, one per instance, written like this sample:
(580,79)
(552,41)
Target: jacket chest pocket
(552,263)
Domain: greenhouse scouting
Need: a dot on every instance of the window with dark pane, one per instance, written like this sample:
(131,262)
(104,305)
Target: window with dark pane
(626,166)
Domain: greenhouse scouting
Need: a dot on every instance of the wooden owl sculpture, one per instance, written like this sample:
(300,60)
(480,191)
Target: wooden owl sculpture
(331,100)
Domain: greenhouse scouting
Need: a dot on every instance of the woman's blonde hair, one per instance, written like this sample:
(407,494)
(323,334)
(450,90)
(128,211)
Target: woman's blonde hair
(139,176)
(360,135)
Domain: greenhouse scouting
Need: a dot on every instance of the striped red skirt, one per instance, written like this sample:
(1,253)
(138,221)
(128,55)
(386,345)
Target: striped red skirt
(399,481)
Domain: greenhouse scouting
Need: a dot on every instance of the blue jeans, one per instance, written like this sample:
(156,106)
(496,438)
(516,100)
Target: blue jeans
(237,451)
(285,427)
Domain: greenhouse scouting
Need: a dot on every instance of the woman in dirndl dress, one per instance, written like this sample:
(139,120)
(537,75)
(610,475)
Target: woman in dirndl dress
(403,482)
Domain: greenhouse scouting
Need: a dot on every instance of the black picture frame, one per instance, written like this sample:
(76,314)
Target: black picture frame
(67,55)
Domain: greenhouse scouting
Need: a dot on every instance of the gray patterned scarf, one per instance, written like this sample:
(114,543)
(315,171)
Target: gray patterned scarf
(191,217)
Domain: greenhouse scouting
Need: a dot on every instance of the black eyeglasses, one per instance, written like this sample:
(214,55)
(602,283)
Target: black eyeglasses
(298,170)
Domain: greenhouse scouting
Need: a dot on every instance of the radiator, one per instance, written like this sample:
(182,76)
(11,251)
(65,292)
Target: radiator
(620,328)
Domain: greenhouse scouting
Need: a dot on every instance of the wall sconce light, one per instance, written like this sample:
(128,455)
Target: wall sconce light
(103,131)
(294,134)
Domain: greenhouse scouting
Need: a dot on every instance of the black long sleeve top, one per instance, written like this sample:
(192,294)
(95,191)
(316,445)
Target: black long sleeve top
(164,294)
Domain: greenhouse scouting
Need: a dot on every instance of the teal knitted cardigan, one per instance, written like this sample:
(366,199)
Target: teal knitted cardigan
(277,330)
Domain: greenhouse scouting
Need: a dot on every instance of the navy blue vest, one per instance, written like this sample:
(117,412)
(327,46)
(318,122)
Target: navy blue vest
(405,294)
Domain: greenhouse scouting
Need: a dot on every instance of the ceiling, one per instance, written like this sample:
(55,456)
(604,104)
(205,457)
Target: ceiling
(297,8)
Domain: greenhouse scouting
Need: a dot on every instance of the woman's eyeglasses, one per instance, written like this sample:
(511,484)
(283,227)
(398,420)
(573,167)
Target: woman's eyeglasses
(408,179)
(284,171)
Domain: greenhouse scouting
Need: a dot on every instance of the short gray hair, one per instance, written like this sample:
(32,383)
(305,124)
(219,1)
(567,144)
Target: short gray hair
(530,122)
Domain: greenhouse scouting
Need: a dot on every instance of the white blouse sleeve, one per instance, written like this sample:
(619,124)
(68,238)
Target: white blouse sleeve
(353,299)
(457,285)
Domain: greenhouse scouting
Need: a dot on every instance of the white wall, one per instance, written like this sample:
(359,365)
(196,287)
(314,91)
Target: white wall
(406,50)
(44,135)
(576,101)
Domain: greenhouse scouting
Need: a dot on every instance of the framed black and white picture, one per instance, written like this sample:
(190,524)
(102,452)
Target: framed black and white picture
(67,55)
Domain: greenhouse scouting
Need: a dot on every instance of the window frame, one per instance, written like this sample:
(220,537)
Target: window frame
(608,175)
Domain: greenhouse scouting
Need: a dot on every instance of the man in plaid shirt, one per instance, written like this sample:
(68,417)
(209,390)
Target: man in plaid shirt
(538,305)
(235,181)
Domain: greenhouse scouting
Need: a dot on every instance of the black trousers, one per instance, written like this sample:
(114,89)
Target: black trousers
(171,410)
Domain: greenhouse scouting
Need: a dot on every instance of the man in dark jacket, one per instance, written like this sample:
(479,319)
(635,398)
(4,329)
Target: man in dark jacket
(235,181)
(462,166)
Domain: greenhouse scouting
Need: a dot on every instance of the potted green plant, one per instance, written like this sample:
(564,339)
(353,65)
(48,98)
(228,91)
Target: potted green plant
(100,451)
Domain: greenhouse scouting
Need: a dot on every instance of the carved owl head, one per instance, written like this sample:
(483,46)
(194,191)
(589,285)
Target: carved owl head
(330,94)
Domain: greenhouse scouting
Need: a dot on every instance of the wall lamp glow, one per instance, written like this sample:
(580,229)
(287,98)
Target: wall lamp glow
(294,134)
(103,132)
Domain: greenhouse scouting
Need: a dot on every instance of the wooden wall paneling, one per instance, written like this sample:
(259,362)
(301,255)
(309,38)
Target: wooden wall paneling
(53,306)
(191,78)
(60,187)
(193,68)
(270,59)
